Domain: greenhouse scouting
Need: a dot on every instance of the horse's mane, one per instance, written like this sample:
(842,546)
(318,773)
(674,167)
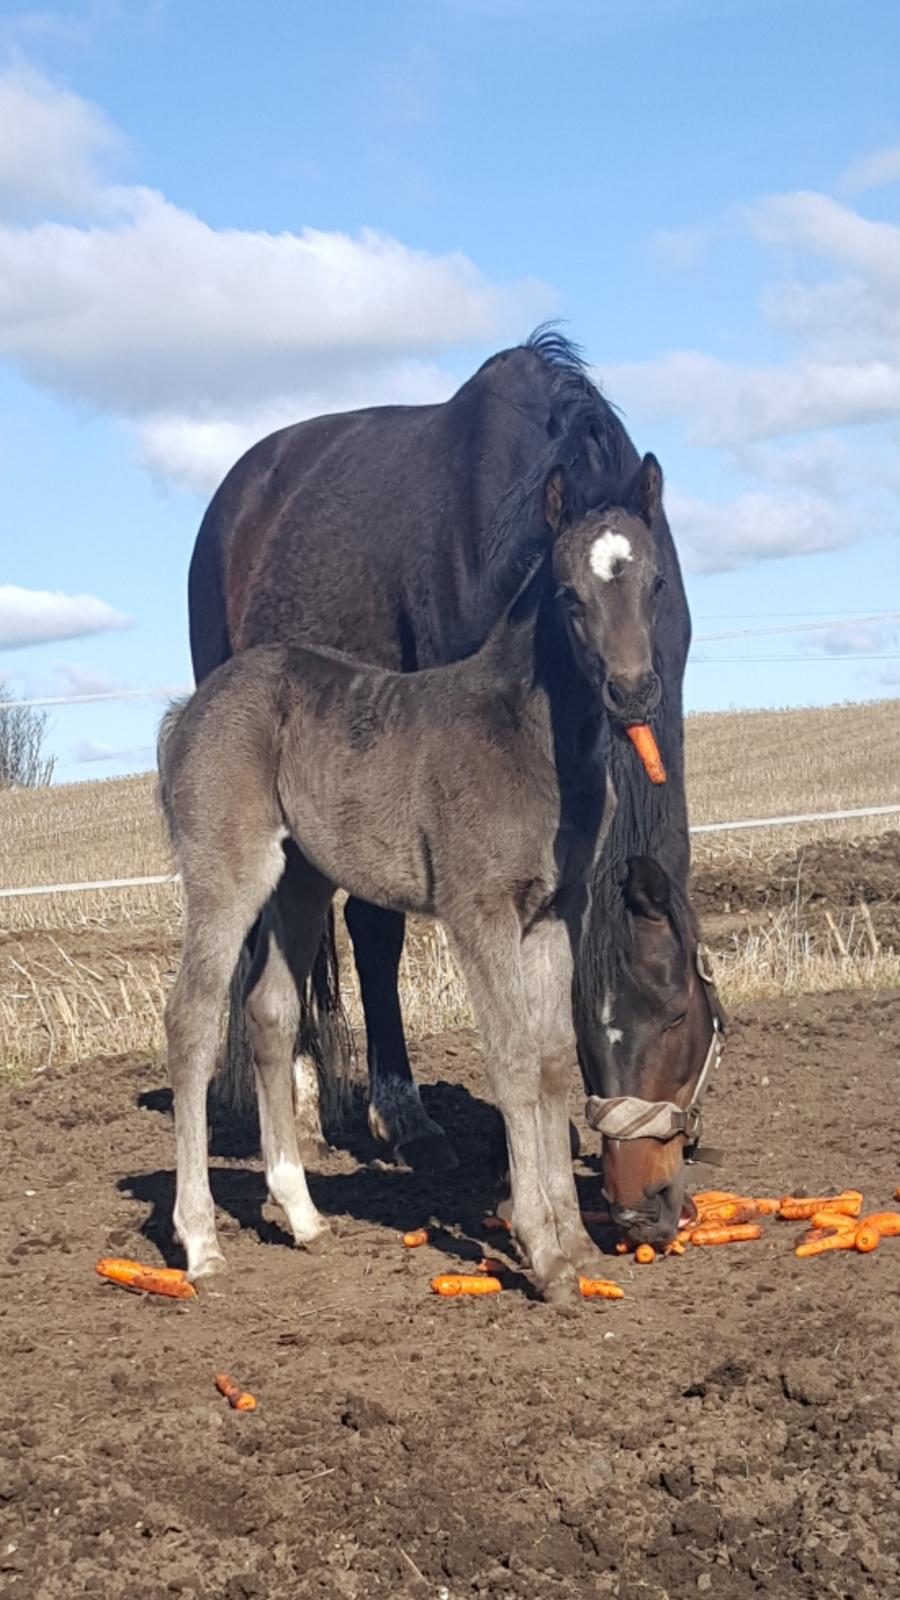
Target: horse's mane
(589,441)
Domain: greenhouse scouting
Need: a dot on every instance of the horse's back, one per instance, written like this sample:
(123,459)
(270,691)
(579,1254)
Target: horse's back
(332,530)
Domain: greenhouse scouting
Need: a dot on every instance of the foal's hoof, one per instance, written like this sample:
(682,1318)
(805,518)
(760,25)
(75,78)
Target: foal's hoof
(313,1149)
(563,1291)
(210,1265)
(432,1152)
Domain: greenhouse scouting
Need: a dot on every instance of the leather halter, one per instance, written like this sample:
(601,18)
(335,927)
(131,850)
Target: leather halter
(628,1117)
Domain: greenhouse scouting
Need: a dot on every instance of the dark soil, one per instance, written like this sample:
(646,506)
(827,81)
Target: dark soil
(731,1428)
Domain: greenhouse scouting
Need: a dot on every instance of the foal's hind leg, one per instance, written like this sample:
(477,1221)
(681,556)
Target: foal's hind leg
(396,1114)
(547,969)
(285,954)
(491,958)
(222,900)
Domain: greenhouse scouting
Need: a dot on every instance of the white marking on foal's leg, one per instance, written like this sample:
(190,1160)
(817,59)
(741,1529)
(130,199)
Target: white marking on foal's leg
(608,552)
(288,1188)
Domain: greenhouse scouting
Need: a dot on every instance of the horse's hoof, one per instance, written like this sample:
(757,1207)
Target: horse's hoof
(431,1152)
(588,1260)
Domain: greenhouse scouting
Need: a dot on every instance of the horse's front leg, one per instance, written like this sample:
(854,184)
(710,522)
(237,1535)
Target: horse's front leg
(396,1114)
(491,958)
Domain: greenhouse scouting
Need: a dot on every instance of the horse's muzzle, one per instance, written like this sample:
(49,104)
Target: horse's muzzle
(632,699)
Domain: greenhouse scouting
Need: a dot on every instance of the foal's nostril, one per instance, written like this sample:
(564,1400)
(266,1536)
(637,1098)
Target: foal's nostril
(615,694)
(651,691)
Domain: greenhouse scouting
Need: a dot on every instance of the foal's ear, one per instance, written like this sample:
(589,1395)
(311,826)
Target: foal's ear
(555,500)
(648,892)
(645,490)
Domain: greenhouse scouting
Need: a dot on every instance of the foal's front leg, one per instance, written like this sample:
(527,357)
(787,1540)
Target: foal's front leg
(492,964)
(547,970)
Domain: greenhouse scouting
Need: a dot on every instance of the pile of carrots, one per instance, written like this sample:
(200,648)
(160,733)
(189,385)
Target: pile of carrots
(724,1217)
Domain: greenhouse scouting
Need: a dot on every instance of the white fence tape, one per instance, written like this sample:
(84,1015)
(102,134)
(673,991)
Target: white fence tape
(700,827)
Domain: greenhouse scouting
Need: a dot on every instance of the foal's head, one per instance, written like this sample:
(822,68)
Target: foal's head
(607,582)
(661,1024)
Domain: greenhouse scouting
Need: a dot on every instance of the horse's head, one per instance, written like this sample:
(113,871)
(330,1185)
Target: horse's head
(607,580)
(661,1026)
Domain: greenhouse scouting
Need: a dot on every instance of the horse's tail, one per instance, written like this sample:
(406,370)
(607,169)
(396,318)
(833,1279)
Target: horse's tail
(324,1036)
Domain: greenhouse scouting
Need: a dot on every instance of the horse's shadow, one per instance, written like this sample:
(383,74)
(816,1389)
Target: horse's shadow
(375,1193)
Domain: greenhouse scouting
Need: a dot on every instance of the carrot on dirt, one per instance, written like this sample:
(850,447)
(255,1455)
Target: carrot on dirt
(416,1237)
(623,1248)
(644,743)
(644,1254)
(171,1281)
(727,1233)
(488,1264)
(794,1208)
(866,1238)
(887,1223)
(840,1239)
(238,1398)
(675,1247)
(600,1289)
(454,1283)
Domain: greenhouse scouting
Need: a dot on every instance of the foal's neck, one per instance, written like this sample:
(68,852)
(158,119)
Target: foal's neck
(530,658)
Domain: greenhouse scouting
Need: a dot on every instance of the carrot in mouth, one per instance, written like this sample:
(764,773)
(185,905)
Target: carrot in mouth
(644,743)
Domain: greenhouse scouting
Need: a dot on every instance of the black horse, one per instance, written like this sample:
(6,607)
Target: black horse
(376,532)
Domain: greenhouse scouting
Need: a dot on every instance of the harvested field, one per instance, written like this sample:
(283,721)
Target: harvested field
(729,1428)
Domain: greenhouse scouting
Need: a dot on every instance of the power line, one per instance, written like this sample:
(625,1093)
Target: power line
(796,661)
(859,621)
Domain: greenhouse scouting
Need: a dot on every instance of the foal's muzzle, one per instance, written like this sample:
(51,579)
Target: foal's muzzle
(632,699)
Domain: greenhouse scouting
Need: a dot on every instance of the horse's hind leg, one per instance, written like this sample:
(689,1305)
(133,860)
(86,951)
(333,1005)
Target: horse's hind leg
(491,958)
(285,954)
(396,1113)
(547,967)
(222,900)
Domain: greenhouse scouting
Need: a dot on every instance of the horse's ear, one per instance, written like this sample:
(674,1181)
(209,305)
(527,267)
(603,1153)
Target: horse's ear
(555,500)
(648,892)
(646,489)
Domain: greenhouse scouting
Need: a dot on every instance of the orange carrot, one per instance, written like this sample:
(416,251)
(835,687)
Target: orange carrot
(170,1281)
(453,1283)
(675,1247)
(832,1219)
(494,1223)
(887,1223)
(729,1233)
(238,1399)
(644,743)
(487,1264)
(795,1209)
(415,1238)
(840,1239)
(766,1208)
(623,1248)
(713,1196)
(866,1238)
(644,1254)
(600,1289)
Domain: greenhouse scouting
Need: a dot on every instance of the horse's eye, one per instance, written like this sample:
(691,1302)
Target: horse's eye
(659,583)
(675,1022)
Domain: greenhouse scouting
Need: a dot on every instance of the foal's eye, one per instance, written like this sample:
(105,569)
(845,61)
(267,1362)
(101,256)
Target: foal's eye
(659,583)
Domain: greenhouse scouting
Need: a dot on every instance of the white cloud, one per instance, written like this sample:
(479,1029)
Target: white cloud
(38,616)
(755,527)
(70,677)
(53,146)
(199,336)
(852,639)
(724,403)
(872,171)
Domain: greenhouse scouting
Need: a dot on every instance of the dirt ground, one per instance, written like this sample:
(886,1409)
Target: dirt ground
(732,1427)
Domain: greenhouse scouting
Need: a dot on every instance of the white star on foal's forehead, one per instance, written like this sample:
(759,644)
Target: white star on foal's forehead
(608,551)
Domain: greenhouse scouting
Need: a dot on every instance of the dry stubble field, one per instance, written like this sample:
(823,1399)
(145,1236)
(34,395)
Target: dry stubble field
(730,1428)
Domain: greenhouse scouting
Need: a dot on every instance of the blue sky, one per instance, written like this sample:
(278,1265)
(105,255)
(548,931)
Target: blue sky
(218,219)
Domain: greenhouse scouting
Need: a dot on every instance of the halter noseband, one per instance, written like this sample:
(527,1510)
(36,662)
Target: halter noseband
(627,1117)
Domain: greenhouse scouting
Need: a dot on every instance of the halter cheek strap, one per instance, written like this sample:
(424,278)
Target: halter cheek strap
(628,1117)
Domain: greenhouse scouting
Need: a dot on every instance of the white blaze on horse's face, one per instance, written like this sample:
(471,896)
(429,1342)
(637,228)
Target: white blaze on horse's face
(609,552)
(613,1035)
